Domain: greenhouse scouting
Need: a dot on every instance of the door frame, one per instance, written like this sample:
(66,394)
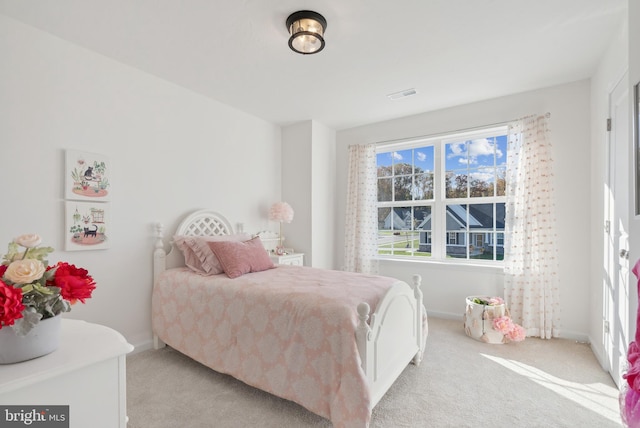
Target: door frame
(616,305)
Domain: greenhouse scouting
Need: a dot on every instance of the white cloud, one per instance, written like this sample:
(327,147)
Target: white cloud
(474,149)
(397,156)
(421,156)
(481,147)
(457,149)
(467,161)
(484,147)
(482,176)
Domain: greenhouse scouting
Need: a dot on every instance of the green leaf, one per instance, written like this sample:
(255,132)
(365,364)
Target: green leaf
(39,253)
(43,290)
(12,252)
(27,288)
(29,320)
(49,274)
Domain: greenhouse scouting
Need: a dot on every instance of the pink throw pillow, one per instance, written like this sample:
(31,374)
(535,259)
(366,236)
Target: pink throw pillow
(197,254)
(238,258)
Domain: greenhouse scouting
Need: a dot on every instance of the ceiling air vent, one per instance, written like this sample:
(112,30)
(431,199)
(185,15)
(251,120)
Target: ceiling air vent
(402,94)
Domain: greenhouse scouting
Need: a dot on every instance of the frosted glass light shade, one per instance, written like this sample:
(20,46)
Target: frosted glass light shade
(307,32)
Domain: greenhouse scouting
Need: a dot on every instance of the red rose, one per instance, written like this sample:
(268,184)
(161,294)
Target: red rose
(75,283)
(11,306)
(3,268)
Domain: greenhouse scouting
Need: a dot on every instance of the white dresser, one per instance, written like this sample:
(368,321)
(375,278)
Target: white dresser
(87,372)
(294,259)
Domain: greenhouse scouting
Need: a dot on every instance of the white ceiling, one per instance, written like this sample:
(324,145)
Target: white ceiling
(235,51)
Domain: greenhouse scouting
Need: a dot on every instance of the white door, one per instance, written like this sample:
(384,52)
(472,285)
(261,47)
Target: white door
(617,302)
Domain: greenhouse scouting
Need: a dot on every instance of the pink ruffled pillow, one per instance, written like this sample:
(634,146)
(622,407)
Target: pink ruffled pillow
(238,258)
(197,254)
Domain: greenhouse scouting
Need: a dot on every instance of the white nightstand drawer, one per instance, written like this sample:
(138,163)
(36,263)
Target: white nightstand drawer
(294,259)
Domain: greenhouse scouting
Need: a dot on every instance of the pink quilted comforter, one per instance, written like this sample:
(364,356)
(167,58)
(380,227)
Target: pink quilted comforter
(288,331)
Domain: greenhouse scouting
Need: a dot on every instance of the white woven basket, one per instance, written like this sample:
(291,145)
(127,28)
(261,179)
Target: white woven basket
(478,321)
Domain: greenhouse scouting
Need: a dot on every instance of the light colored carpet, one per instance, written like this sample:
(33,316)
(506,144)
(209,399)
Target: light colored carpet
(460,383)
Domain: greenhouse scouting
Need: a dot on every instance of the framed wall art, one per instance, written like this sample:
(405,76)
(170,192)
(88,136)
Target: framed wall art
(87,176)
(86,226)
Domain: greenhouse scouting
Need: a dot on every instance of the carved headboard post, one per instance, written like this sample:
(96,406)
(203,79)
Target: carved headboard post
(159,254)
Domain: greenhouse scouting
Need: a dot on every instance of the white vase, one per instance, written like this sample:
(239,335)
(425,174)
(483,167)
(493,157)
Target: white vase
(43,339)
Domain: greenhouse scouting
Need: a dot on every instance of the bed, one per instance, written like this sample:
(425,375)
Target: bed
(331,341)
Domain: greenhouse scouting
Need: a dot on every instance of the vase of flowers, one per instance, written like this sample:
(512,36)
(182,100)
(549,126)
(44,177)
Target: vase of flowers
(488,319)
(41,340)
(33,295)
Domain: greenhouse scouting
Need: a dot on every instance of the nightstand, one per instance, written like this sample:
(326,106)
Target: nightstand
(293,259)
(87,373)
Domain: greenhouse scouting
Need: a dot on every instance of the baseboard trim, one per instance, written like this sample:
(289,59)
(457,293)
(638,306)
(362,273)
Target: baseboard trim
(571,335)
(141,346)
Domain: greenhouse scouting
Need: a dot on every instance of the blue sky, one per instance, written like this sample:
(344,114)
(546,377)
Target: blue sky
(472,154)
(463,155)
(423,157)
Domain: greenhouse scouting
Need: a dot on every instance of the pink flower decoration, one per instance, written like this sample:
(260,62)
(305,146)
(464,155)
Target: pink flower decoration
(517,333)
(282,212)
(503,324)
(496,301)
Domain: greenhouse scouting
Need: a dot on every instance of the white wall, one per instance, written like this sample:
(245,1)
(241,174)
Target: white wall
(308,185)
(297,183)
(171,151)
(445,286)
(323,164)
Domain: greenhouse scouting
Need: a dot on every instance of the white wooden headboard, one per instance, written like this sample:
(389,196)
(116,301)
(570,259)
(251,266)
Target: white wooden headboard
(204,223)
(198,223)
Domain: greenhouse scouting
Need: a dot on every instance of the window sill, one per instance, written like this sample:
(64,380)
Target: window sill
(458,264)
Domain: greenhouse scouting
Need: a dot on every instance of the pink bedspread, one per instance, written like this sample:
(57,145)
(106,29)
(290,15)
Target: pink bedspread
(288,331)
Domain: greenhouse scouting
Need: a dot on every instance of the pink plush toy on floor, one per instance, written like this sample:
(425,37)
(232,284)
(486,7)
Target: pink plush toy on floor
(630,395)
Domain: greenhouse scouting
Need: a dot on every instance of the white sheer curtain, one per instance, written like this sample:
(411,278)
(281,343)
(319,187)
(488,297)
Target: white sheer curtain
(361,221)
(531,253)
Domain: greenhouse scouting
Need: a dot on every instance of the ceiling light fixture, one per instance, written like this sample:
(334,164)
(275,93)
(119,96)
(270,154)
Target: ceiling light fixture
(307,31)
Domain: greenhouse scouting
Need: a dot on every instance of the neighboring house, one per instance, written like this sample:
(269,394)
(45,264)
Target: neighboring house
(480,230)
(398,222)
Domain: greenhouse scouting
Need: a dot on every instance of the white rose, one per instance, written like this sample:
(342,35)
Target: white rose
(28,241)
(24,271)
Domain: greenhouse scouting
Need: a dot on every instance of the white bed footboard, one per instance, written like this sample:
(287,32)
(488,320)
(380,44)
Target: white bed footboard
(393,338)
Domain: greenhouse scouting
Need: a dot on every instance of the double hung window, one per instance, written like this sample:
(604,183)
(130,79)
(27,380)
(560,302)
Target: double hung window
(443,197)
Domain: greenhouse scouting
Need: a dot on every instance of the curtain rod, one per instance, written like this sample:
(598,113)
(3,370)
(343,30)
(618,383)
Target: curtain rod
(459,131)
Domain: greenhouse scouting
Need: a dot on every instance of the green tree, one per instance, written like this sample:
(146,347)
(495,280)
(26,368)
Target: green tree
(402,181)
(480,188)
(501,182)
(456,185)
